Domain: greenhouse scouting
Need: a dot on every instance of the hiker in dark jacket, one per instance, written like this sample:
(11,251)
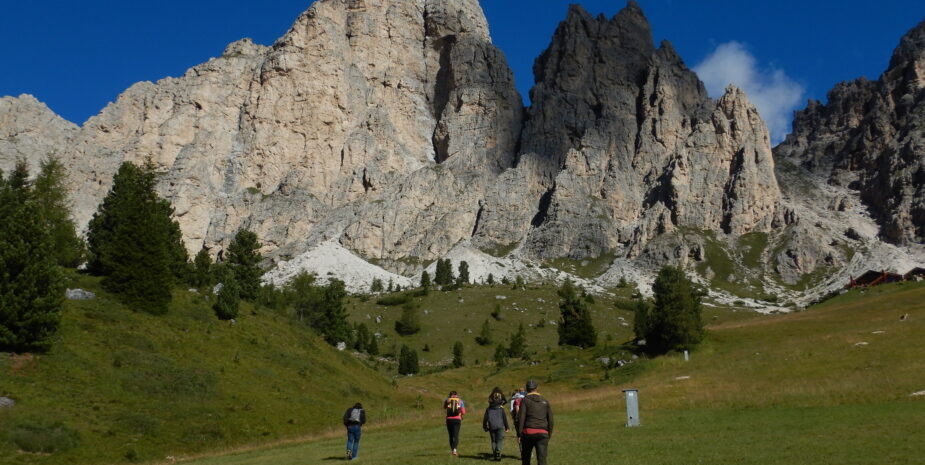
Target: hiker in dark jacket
(354,418)
(496,397)
(534,425)
(495,423)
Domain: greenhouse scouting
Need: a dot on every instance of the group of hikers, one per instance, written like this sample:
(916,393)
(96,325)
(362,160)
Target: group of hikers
(531,414)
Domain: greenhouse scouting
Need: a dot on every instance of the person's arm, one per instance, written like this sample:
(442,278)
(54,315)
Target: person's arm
(462,407)
(485,424)
(347,417)
(549,417)
(521,416)
(362,417)
(504,416)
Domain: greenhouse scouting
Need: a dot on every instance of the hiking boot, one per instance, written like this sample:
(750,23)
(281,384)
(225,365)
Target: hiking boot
(497,456)
(349,455)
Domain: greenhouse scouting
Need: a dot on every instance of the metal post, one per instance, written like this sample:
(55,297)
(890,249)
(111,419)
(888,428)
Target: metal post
(632,407)
(686,356)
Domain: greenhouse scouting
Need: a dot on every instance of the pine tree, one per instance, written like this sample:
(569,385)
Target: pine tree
(372,348)
(31,286)
(491,279)
(518,344)
(243,256)
(134,243)
(391,286)
(226,307)
(641,319)
(575,326)
(458,355)
(425,280)
(463,273)
(330,318)
(408,361)
(50,194)
(303,295)
(501,354)
(410,322)
(484,337)
(202,274)
(376,286)
(362,339)
(674,321)
(444,273)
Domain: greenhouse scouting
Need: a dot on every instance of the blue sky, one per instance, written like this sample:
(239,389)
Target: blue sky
(77,56)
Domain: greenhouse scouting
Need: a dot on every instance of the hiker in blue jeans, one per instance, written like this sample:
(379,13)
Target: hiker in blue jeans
(354,419)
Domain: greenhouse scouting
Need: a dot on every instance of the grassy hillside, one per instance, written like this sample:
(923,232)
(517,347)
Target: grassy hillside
(833,384)
(120,386)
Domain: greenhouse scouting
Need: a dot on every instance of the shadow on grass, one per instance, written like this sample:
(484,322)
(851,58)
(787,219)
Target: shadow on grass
(488,456)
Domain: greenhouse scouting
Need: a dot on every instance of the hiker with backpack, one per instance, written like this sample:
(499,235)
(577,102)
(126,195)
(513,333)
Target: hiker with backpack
(495,423)
(354,419)
(534,425)
(455,409)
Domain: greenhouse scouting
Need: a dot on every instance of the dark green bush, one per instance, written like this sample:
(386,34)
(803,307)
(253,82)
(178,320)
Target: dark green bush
(44,437)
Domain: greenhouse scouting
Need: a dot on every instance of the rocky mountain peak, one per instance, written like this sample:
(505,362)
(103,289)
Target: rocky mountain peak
(911,47)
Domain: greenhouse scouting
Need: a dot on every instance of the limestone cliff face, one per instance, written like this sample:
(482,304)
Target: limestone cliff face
(395,129)
(624,144)
(870,137)
(341,125)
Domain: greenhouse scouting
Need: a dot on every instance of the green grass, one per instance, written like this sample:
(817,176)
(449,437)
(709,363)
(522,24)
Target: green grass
(588,268)
(781,389)
(458,316)
(119,385)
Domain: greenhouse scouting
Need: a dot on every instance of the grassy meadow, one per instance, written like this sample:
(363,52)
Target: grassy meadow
(830,385)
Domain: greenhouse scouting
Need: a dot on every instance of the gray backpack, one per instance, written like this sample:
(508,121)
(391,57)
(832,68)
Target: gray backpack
(355,415)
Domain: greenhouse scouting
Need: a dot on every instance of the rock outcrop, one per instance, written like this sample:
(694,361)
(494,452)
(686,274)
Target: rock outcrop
(625,144)
(870,137)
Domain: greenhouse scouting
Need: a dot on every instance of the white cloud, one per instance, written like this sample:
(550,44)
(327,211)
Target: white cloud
(774,93)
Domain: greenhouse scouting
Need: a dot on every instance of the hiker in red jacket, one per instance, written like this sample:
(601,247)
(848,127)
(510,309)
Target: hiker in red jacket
(455,409)
(534,425)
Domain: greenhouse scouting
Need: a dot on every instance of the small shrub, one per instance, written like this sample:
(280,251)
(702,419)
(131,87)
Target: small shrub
(44,437)
(393,300)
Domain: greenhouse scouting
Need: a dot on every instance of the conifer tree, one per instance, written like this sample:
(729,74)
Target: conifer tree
(674,321)
(372,348)
(491,279)
(641,319)
(243,257)
(202,273)
(458,355)
(330,318)
(575,326)
(376,286)
(518,344)
(501,354)
(410,322)
(50,194)
(31,286)
(425,280)
(134,243)
(463,273)
(484,337)
(227,304)
(362,339)
(408,361)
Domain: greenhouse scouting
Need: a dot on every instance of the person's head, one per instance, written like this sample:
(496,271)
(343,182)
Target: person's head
(453,394)
(532,385)
(358,405)
(496,390)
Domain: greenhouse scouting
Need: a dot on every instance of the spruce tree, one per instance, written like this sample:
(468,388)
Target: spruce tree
(518,344)
(372,348)
(376,286)
(134,243)
(31,286)
(227,304)
(501,354)
(575,326)
(410,322)
(641,319)
(362,339)
(463,273)
(425,280)
(50,194)
(674,321)
(243,256)
(408,361)
(491,279)
(202,273)
(330,318)
(458,355)
(484,337)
